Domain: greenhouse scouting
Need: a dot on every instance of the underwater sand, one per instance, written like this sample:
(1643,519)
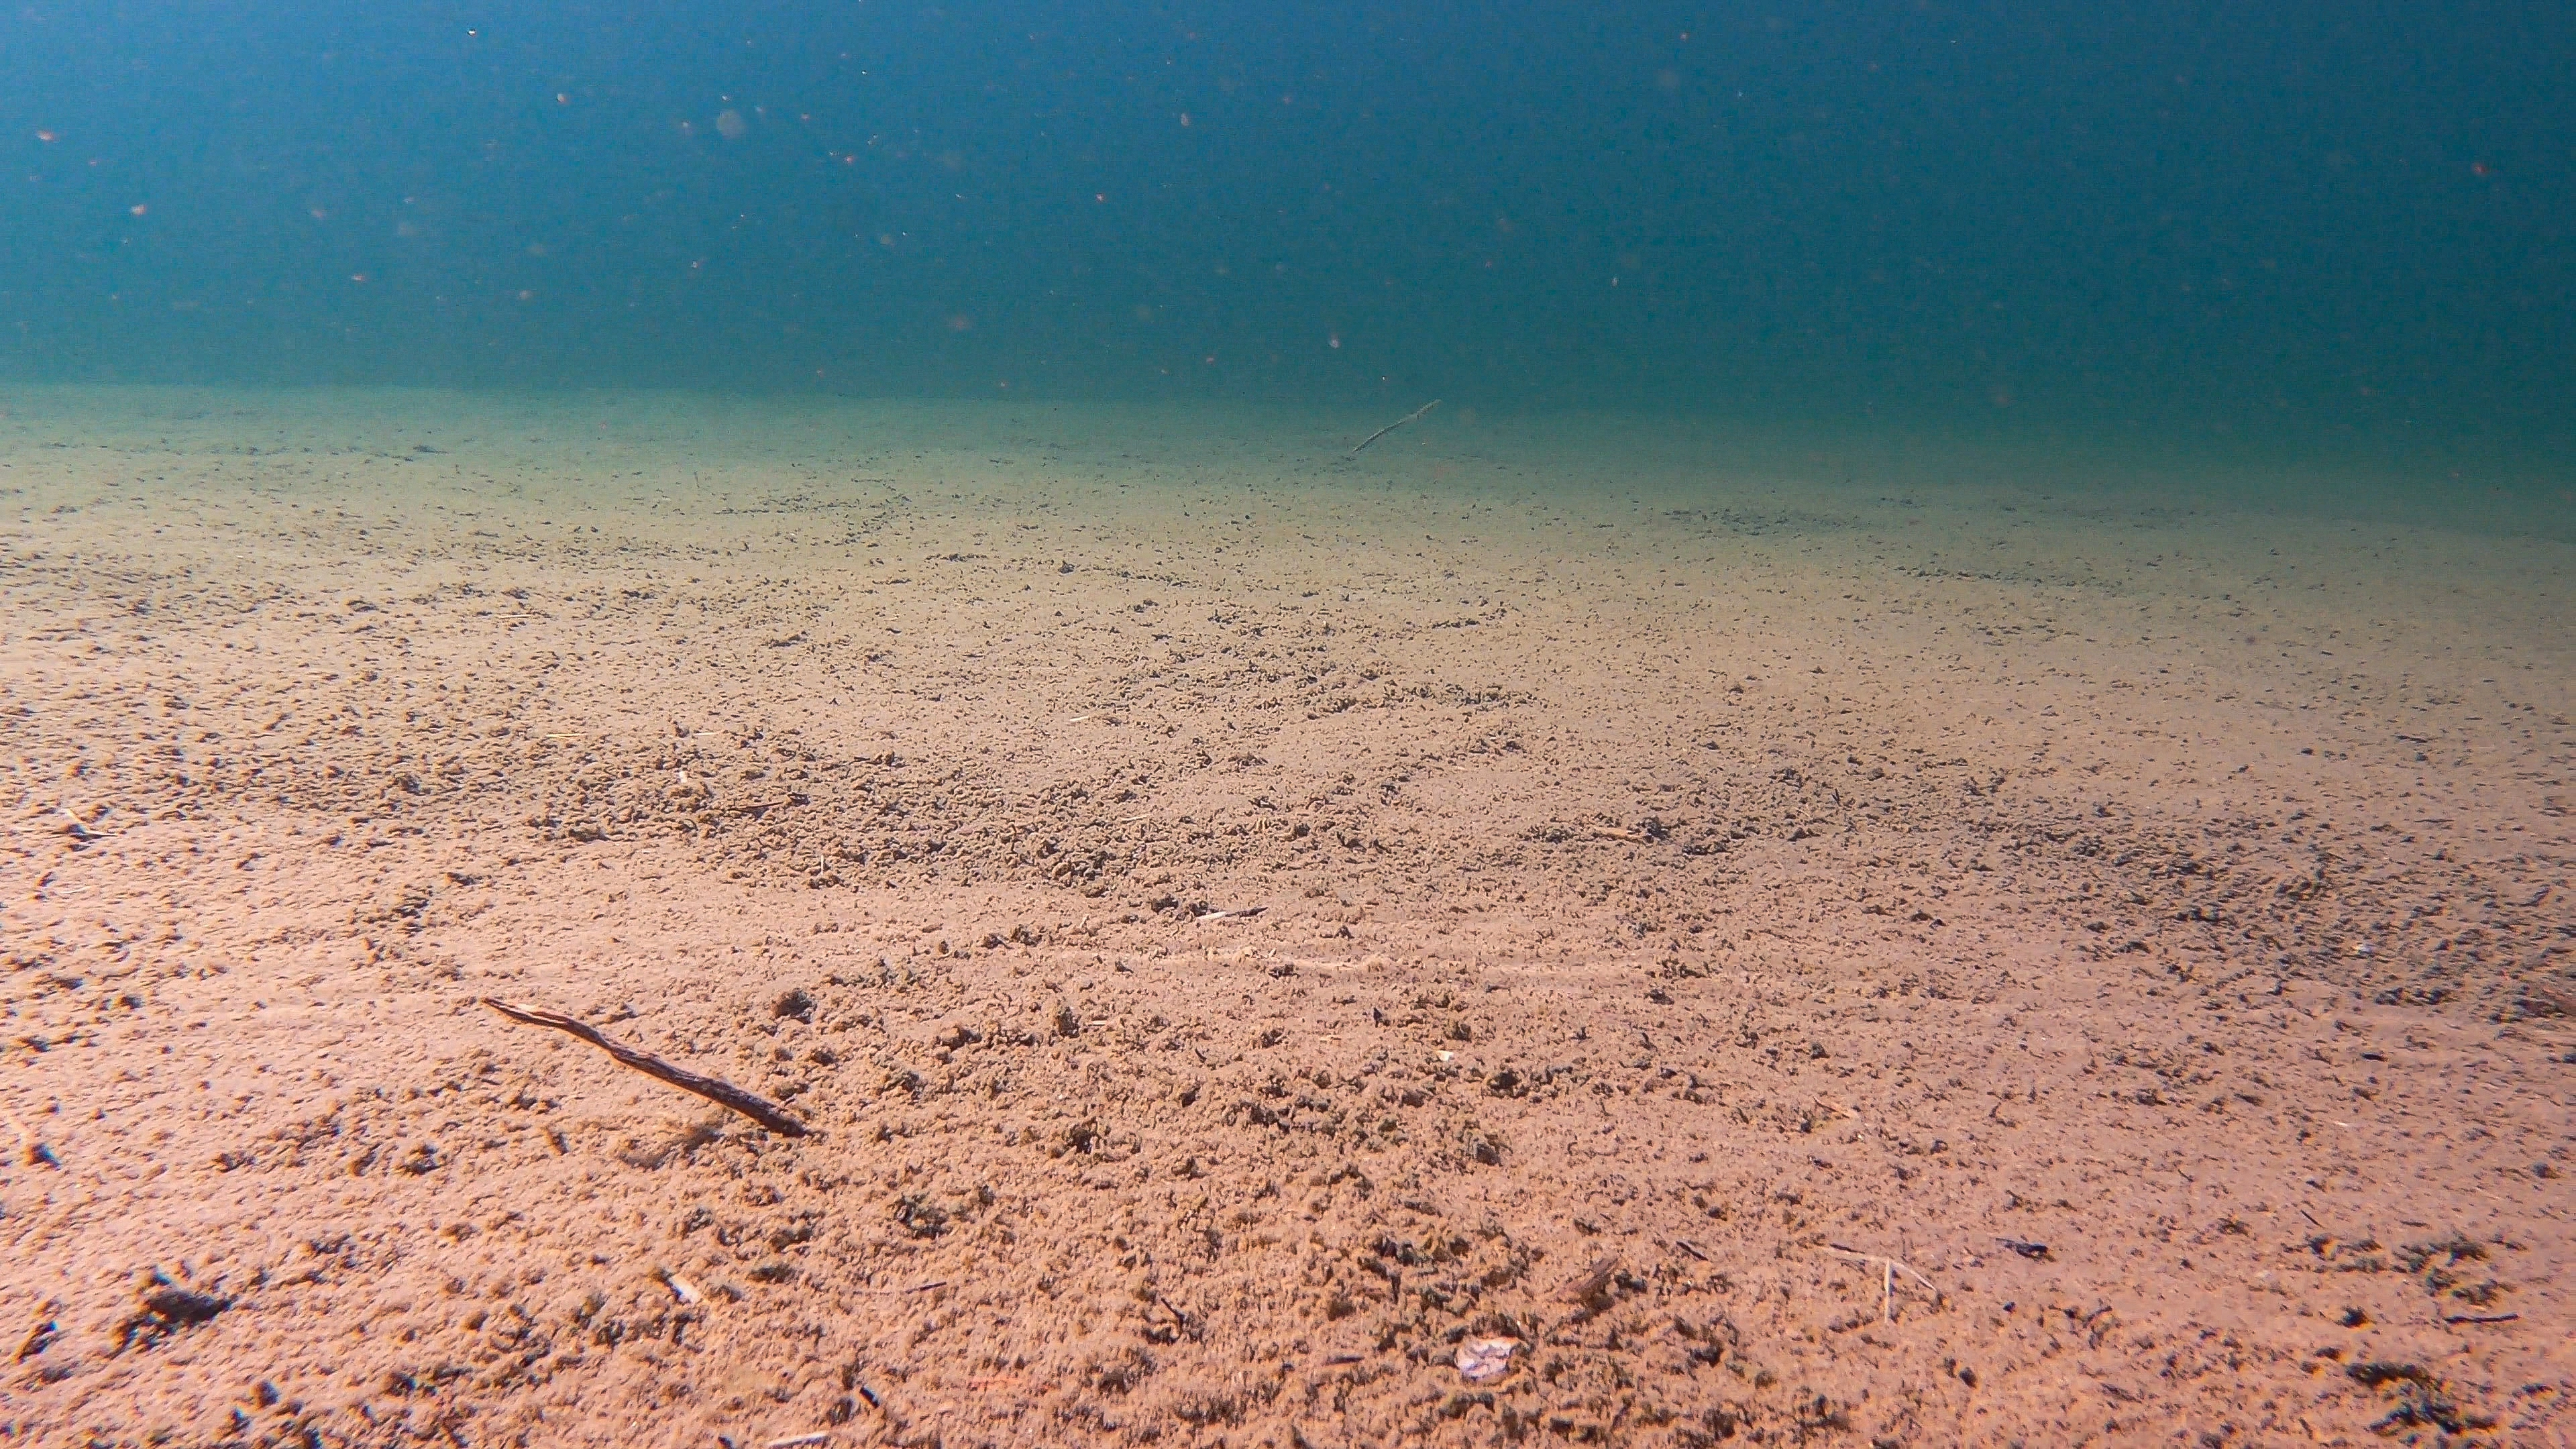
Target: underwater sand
(1242,923)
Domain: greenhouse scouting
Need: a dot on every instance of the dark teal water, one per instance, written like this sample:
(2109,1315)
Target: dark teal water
(2305,230)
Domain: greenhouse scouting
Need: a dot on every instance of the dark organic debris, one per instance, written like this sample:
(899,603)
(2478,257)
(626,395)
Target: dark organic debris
(166,1309)
(2422,1401)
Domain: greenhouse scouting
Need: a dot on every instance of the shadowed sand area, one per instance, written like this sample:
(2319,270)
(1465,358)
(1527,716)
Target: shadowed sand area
(1241,923)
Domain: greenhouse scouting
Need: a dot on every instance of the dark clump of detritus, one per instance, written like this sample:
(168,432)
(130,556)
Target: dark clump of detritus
(166,1309)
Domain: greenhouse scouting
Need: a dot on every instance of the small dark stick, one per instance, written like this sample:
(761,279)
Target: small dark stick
(1391,427)
(1586,1286)
(723,1093)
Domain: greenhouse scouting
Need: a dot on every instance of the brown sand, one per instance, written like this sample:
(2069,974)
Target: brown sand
(1686,875)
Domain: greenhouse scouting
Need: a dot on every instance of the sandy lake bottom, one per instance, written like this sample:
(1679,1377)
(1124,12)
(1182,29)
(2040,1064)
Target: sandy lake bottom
(1901,948)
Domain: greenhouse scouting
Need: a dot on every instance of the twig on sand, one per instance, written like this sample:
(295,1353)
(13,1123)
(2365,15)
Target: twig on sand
(31,1151)
(1888,1268)
(723,1093)
(1584,1287)
(1391,427)
(42,1336)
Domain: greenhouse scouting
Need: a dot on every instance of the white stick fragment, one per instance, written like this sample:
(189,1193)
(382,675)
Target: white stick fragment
(681,1288)
(1888,1268)
(1391,427)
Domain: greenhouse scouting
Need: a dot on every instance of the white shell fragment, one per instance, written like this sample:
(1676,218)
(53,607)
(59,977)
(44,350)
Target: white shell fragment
(1483,1360)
